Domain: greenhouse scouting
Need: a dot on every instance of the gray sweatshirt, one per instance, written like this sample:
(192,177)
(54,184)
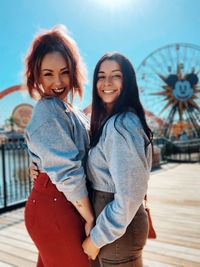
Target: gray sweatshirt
(120,164)
(58,143)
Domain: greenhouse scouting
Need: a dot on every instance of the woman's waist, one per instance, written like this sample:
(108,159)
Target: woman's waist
(103,193)
(44,185)
(105,188)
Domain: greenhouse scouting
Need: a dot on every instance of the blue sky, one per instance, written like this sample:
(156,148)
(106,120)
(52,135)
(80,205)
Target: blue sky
(133,27)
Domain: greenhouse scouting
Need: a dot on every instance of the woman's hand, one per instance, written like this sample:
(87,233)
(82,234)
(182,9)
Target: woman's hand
(34,171)
(90,249)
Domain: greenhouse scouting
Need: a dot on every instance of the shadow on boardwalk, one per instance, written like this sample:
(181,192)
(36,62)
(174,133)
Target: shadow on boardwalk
(174,199)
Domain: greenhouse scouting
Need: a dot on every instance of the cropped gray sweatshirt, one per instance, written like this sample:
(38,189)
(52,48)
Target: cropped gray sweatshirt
(58,143)
(120,163)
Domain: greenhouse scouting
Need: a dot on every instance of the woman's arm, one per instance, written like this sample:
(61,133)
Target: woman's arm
(84,207)
(124,150)
(34,171)
(52,141)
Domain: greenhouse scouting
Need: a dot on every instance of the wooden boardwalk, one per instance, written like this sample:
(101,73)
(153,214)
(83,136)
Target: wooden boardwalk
(174,199)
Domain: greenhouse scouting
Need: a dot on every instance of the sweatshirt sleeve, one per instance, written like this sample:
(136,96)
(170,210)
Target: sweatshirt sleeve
(124,149)
(52,143)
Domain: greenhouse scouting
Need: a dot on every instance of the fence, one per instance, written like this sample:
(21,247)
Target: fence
(182,151)
(15,183)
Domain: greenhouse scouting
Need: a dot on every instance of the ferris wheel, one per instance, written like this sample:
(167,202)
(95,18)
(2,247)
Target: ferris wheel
(169,85)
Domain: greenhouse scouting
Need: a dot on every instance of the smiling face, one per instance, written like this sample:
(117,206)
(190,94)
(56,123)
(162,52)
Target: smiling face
(183,90)
(109,82)
(54,75)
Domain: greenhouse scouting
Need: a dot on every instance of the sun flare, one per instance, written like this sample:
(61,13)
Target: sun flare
(113,3)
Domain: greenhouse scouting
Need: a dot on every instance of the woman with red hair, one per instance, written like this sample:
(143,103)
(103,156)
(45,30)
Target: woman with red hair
(58,214)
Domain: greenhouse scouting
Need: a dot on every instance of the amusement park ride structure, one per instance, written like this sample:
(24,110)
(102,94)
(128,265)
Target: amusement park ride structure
(10,90)
(169,84)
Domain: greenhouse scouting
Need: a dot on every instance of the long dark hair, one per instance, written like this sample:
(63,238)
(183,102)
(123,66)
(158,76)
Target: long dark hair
(128,99)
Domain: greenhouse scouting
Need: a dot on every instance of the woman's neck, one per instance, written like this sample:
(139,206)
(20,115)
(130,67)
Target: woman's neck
(108,109)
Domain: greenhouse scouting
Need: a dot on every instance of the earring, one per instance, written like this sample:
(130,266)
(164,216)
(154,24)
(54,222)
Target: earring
(41,88)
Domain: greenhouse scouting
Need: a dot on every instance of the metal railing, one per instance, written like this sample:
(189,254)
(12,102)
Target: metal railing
(15,183)
(181,151)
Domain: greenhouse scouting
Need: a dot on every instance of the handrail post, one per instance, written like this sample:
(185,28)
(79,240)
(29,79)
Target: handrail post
(4,176)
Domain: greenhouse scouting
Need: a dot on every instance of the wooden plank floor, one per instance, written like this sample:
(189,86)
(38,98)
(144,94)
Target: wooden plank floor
(174,199)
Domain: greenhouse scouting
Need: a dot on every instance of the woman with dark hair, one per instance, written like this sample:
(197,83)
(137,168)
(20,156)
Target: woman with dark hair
(118,165)
(58,214)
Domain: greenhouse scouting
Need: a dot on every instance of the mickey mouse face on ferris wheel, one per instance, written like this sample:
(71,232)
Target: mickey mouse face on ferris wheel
(182,89)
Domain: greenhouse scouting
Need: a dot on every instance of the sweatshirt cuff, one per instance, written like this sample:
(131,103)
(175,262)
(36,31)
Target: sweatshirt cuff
(97,241)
